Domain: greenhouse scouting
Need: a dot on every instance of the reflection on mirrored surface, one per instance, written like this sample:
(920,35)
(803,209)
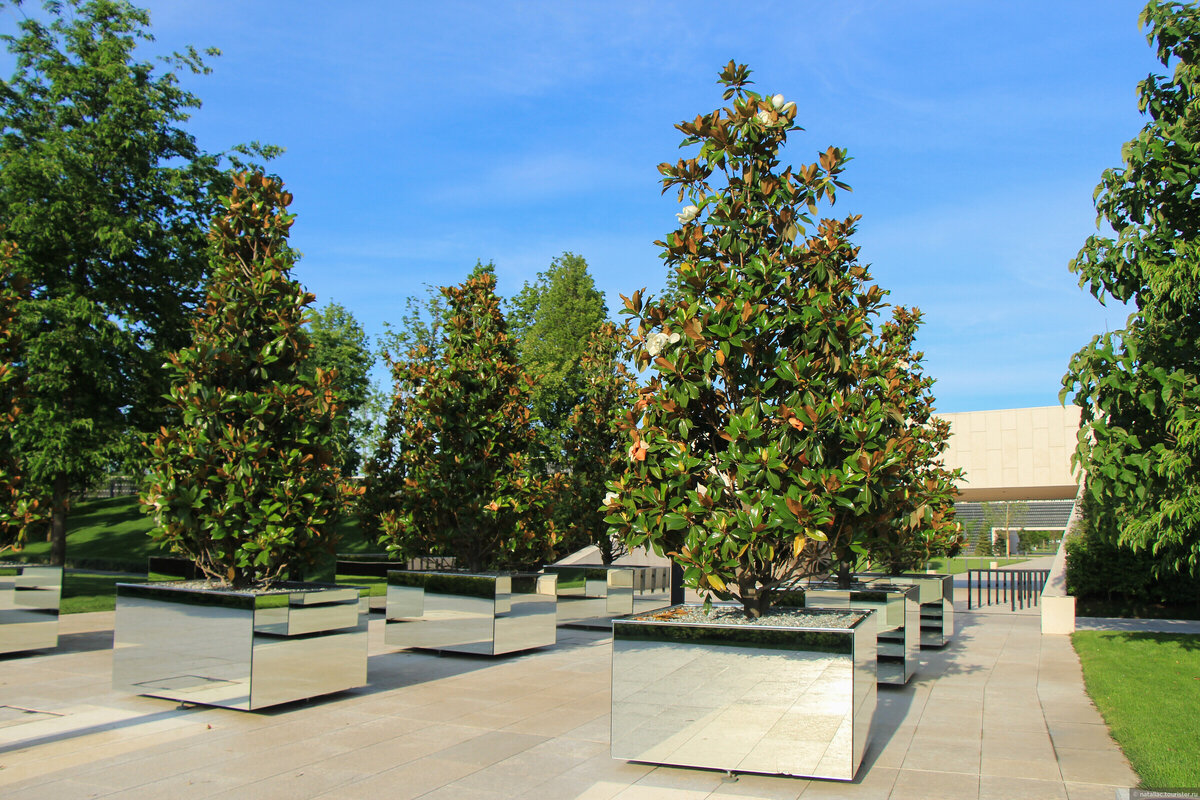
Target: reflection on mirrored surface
(469,612)
(898,617)
(590,595)
(238,649)
(784,701)
(937,603)
(29,604)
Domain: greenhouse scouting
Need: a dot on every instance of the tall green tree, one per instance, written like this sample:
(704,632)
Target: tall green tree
(107,197)
(766,430)
(1139,387)
(453,475)
(339,345)
(19,509)
(247,484)
(592,441)
(551,320)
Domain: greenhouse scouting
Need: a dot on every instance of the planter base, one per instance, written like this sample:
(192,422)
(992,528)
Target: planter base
(29,605)
(898,618)
(239,650)
(769,699)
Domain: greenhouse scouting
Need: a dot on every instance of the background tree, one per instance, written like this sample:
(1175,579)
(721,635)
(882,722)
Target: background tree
(914,518)
(339,345)
(551,321)
(755,445)
(593,451)
(107,198)
(247,485)
(1139,388)
(453,475)
(19,509)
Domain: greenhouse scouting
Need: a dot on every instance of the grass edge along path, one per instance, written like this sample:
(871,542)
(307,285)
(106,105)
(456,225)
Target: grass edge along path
(1147,688)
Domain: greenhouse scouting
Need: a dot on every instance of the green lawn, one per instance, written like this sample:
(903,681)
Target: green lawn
(1147,686)
(92,591)
(111,533)
(960,564)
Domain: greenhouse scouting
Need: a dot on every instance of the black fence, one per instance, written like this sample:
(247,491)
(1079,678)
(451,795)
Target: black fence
(1017,587)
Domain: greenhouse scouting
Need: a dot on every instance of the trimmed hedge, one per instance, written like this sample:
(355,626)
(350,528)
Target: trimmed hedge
(1100,570)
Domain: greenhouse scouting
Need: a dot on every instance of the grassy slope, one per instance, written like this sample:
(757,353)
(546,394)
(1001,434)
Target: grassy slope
(113,530)
(115,533)
(1147,686)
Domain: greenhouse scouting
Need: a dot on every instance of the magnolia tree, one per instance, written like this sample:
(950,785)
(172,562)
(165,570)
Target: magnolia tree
(452,475)
(248,485)
(593,441)
(914,521)
(19,507)
(768,429)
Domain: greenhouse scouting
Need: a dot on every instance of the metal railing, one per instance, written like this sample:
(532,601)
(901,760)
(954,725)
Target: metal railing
(1017,587)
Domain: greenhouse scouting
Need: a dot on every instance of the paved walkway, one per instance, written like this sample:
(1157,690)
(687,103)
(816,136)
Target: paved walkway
(1000,713)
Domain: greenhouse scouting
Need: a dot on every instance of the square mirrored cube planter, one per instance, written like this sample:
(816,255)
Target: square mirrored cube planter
(937,602)
(29,604)
(462,612)
(591,595)
(780,697)
(897,619)
(239,649)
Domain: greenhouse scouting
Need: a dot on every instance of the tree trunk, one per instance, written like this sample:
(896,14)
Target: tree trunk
(58,521)
(676,583)
(843,575)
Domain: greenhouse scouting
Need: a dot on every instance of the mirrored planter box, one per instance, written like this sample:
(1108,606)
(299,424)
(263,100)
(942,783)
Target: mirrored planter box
(937,602)
(239,649)
(29,605)
(482,613)
(897,618)
(590,595)
(782,699)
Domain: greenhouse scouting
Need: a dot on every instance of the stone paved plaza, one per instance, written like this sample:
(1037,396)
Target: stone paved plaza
(1000,713)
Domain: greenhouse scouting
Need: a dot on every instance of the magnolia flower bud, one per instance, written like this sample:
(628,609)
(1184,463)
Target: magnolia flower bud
(764,118)
(702,490)
(611,498)
(788,108)
(777,101)
(688,214)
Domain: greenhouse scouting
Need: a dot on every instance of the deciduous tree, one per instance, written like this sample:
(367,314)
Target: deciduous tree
(339,345)
(1139,387)
(107,197)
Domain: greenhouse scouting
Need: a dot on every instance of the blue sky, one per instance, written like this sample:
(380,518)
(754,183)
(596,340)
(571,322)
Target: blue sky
(421,137)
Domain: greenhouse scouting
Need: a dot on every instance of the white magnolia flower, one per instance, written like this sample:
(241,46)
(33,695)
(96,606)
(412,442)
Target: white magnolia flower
(788,108)
(655,343)
(688,214)
(701,490)
(777,101)
(611,498)
(764,117)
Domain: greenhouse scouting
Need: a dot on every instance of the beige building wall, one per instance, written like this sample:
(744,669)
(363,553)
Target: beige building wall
(1014,453)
